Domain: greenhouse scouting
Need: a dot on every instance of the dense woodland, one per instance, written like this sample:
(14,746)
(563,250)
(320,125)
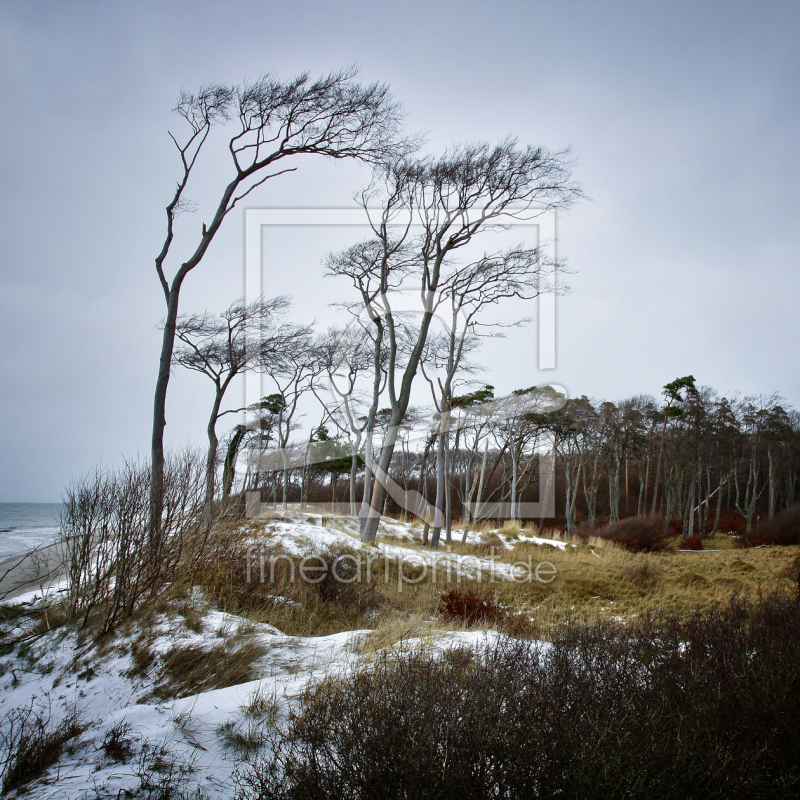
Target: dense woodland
(702,462)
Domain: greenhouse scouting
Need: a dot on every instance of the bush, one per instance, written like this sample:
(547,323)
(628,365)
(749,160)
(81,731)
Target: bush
(162,776)
(637,534)
(31,743)
(692,543)
(114,560)
(342,582)
(663,707)
(469,608)
(117,742)
(782,529)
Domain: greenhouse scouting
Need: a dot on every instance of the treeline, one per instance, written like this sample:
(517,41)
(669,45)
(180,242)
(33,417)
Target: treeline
(700,461)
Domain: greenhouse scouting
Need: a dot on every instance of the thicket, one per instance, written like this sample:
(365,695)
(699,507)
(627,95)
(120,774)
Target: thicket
(115,557)
(637,534)
(782,529)
(701,707)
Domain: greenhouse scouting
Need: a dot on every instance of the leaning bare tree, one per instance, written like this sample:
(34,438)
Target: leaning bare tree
(272,120)
(466,293)
(243,337)
(452,199)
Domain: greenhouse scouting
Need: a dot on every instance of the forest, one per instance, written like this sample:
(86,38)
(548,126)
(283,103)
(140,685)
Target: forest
(699,461)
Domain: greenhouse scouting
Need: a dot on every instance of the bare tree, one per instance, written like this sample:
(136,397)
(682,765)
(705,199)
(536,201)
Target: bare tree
(243,337)
(468,190)
(465,294)
(375,267)
(273,120)
(298,376)
(346,354)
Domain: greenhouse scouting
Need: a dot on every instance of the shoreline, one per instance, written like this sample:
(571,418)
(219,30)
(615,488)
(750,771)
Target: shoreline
(32,570)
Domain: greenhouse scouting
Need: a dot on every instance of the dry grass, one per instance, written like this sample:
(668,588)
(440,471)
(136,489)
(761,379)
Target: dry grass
(594,579)
(187,669)
(394,630)
(602,580)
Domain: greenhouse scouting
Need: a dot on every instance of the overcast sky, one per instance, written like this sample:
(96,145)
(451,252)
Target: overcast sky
(683,118)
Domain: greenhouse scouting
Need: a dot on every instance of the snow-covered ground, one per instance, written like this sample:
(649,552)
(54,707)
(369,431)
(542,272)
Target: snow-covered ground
(108,687)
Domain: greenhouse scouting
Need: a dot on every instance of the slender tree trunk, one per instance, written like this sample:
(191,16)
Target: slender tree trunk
(658,467)
(448,513)
(641,501)
(719,509)
(160,419)
(368,479)
(353,472)
(469,514)
(614,488)
(627,500)
(771,484)
(285,482)
(689,518)
(514,470)
(211,460)
(438,515)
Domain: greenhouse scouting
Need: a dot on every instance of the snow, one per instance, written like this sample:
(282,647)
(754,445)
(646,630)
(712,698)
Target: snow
(304,540)
(105,688)
(35,595)
(105,691)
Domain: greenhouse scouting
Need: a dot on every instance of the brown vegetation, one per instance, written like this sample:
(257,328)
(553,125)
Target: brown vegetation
(607,711)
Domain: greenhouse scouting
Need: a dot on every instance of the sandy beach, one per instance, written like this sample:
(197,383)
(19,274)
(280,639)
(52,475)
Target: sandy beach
(32,570)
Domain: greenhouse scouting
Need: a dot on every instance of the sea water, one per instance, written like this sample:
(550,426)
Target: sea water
(23,526)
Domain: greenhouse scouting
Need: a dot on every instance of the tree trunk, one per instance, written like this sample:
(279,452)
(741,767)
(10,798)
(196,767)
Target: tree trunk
(719,509)
(368,480)
(448,514)
(160,418)
(211,460)
(437,522)
(229,470)
(771,484)
(514,470)
(658,467)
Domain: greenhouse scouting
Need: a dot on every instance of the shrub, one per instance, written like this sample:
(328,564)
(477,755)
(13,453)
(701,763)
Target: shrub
(637,534)
(654,708)
(692,543)
(117,742)
(782,529)
(343,584)
(162,776)
(469,608)
(31,743)
(114,559)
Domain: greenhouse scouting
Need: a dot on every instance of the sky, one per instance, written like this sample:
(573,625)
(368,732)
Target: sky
(683,119)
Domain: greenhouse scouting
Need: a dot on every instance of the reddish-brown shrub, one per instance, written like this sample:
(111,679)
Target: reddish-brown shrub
(675,527)
(469,607)
(730,521)
(782,529)
(637,534)
(692,543)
